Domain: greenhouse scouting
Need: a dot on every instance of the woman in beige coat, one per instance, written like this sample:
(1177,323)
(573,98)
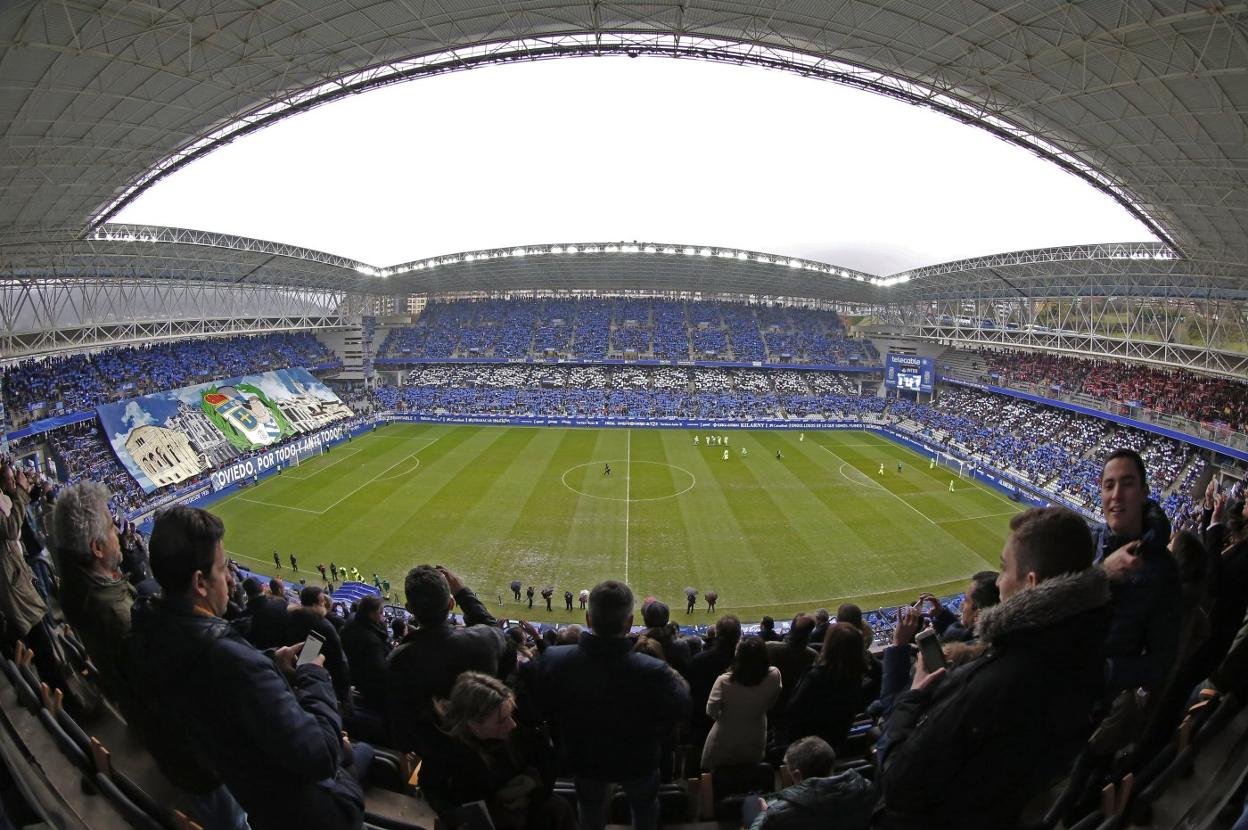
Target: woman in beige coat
(738,704)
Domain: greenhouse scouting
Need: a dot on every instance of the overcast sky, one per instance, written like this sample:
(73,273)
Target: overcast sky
(647,149)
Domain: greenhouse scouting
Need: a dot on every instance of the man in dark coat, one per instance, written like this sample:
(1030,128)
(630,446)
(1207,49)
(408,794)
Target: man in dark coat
(515,589)
(529,594)
(270,728)
(612,706)
(656,615)
(311,615)
(367,644)
(268,619)
(970,746)
(425,665)
(1143,640)
(705,667)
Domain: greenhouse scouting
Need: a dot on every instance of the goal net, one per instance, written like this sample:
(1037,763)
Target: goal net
(955,465)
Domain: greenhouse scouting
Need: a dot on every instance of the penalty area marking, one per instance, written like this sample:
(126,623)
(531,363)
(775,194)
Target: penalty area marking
(692,480)
(343,456)
(865,478)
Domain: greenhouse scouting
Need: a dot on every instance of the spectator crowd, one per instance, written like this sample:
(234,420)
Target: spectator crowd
(1080,648)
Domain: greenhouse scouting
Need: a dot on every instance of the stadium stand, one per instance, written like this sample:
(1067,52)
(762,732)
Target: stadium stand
(64,385)
(1211,400)
(641,329)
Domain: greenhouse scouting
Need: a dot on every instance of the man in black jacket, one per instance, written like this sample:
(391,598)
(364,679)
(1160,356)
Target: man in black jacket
(612,707)
(311,615)
(1143,640)
(427,662)
(367,644)
(268,727)
(268,617)
(970,749)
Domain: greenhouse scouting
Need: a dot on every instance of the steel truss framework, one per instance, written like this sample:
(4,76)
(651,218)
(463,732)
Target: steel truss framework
(39,317)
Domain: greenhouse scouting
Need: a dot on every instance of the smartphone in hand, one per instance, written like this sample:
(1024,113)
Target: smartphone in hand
(311,648)
(929,647)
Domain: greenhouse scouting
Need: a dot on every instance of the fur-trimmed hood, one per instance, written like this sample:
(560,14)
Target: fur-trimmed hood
(1053,601)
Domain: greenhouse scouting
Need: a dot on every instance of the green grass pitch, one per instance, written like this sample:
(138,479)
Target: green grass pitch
(818,527)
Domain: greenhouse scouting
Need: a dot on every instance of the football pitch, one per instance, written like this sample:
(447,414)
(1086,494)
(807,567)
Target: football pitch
(817,526)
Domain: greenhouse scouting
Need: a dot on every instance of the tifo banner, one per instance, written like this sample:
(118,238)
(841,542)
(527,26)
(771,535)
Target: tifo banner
(172,436)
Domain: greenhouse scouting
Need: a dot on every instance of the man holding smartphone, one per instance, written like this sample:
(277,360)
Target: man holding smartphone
(970,746)
(268,727)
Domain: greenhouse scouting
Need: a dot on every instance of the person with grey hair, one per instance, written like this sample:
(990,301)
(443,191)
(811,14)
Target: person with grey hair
(95,594)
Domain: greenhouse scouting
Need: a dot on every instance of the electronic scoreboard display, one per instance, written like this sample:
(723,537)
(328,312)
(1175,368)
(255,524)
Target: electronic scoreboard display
(909,372)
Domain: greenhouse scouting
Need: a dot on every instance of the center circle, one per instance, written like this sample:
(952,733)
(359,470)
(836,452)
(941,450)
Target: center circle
(625,470)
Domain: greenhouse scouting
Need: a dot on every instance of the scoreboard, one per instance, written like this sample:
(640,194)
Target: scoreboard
(909,372)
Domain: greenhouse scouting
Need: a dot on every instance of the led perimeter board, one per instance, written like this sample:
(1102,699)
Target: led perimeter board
(909,372)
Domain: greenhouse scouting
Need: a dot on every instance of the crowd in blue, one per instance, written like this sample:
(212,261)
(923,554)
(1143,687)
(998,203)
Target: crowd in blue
(597,329)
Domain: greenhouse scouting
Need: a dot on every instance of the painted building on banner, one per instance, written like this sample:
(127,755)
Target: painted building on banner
(307,413)
(204,436)
(165,455)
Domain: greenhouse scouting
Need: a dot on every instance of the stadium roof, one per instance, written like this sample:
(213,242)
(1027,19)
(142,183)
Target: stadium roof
(1147,101)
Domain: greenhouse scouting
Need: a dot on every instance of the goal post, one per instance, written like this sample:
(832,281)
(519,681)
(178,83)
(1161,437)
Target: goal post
(954,465)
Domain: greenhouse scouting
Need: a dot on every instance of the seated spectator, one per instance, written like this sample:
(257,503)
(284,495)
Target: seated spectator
(612,707)
(969,747)
(1131,548)
(483,755)
(767,630)
(425,665)
(268,727)
(817,800)
(830,693)
(310,616)
(367,645)
(95,595)
(738,705)
(981,594)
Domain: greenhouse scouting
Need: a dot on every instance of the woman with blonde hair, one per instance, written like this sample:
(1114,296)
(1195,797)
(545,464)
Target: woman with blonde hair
(485,756)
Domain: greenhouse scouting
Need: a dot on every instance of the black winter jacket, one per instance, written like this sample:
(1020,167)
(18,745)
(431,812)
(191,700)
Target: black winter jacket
(1143,640)
(278,748)
(612,706)
(840,802)
(971,751)
(367,645)
(425,665)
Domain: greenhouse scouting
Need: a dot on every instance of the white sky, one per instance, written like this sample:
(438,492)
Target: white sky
(647,149)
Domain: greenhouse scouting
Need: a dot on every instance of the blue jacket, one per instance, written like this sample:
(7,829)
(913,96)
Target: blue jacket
(1143,639)
(277,748)
(840,802)
(610,705)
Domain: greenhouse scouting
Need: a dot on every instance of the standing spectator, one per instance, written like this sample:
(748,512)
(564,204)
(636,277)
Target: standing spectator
(1131,548)
(367,645)
(821,624)
(1005,723)
(21,607)
(95,595)
(311,615)
(705,668)
(612,707)
(424,667)
(134,559)
(657,617)
(817,799)
(792,656)
(738,704)
(264,724)
(830,693)
(268,617)
(767,630)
